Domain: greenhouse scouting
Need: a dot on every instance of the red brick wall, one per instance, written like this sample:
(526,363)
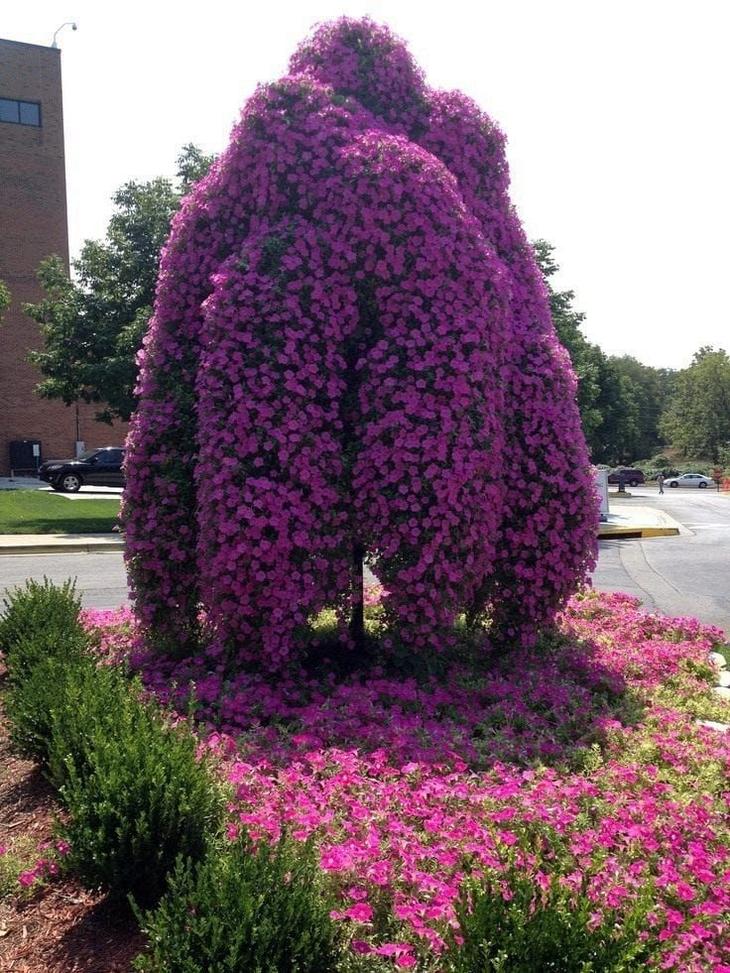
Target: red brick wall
(33,226)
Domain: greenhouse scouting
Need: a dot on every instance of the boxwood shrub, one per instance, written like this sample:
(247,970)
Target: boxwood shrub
(33,704)
(39,620)
(262,911)
(137,794)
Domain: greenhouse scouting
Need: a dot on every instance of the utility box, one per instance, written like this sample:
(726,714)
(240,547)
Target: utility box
(602,484)
(25,456)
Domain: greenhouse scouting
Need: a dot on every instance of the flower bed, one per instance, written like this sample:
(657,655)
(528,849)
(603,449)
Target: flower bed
(583,757)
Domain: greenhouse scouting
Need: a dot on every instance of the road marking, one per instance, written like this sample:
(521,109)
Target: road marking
(708,526)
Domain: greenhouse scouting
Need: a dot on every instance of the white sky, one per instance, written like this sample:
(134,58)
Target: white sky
(616,115)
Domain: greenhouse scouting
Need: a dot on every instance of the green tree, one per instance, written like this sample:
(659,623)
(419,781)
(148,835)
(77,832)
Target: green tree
(698,420)
(650,391)
(4,299)
(615,437)
(93,325)
(586,358)
(192,165)
(604,399)
(620,399)
(723,460)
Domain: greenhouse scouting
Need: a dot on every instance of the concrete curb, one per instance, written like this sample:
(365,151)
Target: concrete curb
(607,531)
(60,544)
(630,521)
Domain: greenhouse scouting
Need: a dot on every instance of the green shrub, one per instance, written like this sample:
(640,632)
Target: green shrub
(94,702)
(45,642)
(35,618)
(31,650)
(33,704)
(543,930)
(261,911)
(137,795)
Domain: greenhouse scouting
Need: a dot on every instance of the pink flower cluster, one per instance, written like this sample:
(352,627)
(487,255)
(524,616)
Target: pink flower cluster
(45,867)
(582,756)
(352,349)
(111,630)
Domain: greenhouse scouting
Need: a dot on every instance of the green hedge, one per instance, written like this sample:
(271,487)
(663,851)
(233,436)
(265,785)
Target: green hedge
(36,618)
(43,643)
(262,911)
(34,704)
(137,795)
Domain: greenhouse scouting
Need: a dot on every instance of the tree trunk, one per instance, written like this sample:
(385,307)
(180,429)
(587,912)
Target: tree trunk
(357,615)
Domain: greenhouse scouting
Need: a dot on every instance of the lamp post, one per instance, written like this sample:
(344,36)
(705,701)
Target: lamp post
(69,23)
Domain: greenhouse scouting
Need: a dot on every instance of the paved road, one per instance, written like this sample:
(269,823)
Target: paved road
(684,575)
(100,578)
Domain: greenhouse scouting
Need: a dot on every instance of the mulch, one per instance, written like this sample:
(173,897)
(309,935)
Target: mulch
(61,927)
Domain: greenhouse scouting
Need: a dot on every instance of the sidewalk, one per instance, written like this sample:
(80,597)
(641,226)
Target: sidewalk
(60,543)
(21,483)
(634,521)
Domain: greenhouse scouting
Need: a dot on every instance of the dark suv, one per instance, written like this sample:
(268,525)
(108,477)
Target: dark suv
(631,478)
(95,467)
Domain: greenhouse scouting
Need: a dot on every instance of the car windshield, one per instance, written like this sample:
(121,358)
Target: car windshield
(88,454)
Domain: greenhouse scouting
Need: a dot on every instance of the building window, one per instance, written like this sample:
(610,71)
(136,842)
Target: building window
(20,112)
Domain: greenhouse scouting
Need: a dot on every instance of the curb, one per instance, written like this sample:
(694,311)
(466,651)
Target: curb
(637,522)
(608,531)
(72,547)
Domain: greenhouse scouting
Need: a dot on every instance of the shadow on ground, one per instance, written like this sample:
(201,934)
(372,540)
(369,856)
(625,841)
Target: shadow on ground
(551,706)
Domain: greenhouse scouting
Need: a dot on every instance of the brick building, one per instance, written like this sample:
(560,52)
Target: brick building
(33,226)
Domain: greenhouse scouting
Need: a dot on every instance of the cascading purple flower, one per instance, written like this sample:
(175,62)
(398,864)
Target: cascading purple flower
(352,351)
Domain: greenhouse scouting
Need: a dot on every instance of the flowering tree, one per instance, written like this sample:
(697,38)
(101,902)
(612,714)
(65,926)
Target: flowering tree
(352,357)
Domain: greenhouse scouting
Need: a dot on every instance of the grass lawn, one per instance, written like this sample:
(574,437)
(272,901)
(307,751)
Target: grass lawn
(33,512)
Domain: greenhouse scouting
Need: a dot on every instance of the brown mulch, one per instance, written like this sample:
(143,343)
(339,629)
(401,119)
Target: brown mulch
(62,927)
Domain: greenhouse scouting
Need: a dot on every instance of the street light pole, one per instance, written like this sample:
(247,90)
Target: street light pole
(69,23)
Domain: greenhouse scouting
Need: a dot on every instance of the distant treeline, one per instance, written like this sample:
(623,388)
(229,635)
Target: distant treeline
(632,411)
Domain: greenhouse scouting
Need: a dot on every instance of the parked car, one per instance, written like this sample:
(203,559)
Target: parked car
(690,480)
(630,477)
(95,467)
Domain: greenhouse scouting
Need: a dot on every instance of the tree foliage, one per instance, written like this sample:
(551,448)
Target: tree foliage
(365,368)
(620,400)
(647,391)
(588,360)
(4,299)
(93,325)
(698,418)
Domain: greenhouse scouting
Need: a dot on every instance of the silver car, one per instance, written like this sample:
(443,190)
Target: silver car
(689,480)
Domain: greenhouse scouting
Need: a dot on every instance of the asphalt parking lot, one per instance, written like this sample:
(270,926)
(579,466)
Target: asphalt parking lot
(684,575)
